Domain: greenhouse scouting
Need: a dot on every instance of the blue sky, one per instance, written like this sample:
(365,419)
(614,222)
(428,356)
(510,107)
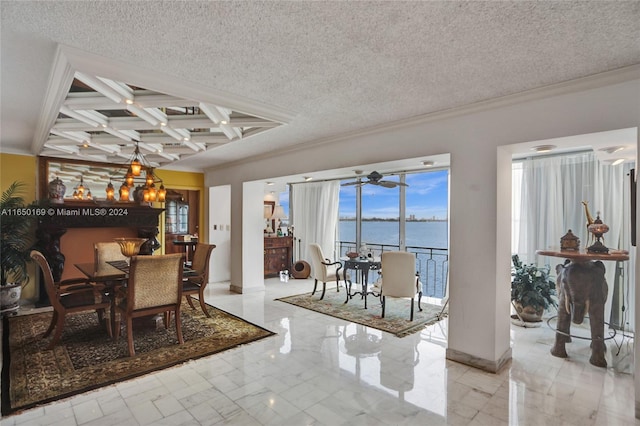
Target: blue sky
(427,195)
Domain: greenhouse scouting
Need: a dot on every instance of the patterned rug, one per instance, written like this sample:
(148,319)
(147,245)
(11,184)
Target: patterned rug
(87,358)
(396,316)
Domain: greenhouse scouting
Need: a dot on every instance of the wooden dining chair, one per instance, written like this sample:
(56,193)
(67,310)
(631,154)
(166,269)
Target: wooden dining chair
(68,297)
(196,282)
(154,287)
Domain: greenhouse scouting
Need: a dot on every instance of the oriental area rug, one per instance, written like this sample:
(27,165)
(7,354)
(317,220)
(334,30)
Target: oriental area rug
(87,358)
(396,316)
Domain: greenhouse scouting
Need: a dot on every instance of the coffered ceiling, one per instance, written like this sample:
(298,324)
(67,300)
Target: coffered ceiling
(282,74)
(103,120)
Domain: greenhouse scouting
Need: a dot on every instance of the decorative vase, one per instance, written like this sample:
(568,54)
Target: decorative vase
(56,191)
(130,246)
(529,313)
(10,299)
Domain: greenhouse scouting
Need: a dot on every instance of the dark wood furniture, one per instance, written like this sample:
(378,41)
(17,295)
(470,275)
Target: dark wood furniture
(363,266)
(278,252)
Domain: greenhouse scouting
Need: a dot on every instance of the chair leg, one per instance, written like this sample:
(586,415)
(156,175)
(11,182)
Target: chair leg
(412,300)
(338,284)
(324,288)
(54,320)
(102,317)
(384,299)
(188,297)
(132,351)
(58,333)
(419,298)
(202,304)
(179,325)
(314,287)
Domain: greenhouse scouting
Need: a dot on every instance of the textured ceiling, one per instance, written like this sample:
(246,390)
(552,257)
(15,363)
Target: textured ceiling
(336,67)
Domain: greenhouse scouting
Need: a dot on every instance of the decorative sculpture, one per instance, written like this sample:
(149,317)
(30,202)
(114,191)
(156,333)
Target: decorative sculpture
(590,221)
(583,289)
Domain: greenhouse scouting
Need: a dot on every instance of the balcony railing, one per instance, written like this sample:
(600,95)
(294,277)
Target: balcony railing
(432,264)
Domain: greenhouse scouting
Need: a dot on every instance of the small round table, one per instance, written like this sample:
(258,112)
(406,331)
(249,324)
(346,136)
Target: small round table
(364,266)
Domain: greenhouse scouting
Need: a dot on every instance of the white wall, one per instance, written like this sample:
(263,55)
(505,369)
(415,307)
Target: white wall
(220,232)
(477,139)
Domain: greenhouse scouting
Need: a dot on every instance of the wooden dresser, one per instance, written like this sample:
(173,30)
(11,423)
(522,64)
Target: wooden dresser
(278,252)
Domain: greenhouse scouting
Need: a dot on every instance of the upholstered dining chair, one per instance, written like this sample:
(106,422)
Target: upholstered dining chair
(68,297)
(154,287)
(399,278)
(196,282)
(107,252)
(323,269)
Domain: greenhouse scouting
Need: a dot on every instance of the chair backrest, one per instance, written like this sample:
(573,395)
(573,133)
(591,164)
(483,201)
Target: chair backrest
(47,275)
(107,252)
(318,270)
(200,262)
(398,274)
(154,281)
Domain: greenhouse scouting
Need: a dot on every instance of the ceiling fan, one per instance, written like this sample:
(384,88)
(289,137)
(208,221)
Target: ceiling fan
(375,178)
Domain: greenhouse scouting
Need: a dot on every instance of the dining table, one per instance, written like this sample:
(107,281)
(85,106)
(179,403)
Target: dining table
(112,276)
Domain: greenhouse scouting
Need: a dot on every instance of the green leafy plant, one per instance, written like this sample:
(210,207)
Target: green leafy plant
(15,233)
(532,285)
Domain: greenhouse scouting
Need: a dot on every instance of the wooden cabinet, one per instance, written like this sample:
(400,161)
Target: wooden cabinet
(278,252)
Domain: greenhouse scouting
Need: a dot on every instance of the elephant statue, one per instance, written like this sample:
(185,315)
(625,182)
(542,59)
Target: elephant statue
(583,289)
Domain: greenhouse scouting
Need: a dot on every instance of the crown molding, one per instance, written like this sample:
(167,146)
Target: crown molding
(594,81)
(60,80)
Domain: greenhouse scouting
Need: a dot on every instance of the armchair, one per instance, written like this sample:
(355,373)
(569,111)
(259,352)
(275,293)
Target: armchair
(399,278)
(68,297)
(196,282)
(154,287)
(324,270)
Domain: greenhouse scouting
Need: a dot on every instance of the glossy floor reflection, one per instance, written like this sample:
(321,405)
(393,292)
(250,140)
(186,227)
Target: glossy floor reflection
(320,370)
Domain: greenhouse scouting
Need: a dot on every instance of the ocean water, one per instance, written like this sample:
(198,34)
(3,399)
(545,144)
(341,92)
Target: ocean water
(419,234)
(432,258)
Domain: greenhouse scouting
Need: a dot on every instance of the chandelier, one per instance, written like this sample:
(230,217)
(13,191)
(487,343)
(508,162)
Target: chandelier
(79,191)
(150,191)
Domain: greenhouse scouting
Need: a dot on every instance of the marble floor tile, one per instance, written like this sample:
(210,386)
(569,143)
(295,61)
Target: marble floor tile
(307,374)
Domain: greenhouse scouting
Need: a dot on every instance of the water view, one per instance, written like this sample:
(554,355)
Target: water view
(428,239)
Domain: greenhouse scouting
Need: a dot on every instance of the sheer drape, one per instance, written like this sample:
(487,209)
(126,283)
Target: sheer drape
(315,215)
(551,193)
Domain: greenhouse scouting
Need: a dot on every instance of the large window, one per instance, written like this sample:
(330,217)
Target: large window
(412,218)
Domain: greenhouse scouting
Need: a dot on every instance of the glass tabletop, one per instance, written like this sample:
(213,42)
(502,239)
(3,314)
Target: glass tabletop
(100,271)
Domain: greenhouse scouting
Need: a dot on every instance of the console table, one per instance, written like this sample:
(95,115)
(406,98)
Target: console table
(278,254)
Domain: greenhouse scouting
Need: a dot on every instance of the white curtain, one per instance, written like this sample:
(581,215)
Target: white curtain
(551,193)
(314,211)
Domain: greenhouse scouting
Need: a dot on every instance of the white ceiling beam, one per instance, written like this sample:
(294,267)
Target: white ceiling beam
(79,116)
(122,89)
(168,130)
(91,100)
(67,149)
(143,114)
(221,119)
(100,87)
(118,134)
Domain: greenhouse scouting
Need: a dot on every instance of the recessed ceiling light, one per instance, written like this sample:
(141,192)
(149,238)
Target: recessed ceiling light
(308,178)
(224,122)
(358,172)
(543,148)
(618,161)
(162,123)
(612,149)
(428,163)
(128,101)
(270,183)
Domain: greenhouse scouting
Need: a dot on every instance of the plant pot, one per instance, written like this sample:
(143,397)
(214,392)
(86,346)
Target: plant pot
(528,313)
(10,299)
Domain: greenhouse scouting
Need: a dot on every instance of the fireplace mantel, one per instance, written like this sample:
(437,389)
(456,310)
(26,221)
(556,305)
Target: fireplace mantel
(58,218)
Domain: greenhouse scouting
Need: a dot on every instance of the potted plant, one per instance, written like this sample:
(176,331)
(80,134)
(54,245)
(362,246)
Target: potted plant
(532,290)
(15,235)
